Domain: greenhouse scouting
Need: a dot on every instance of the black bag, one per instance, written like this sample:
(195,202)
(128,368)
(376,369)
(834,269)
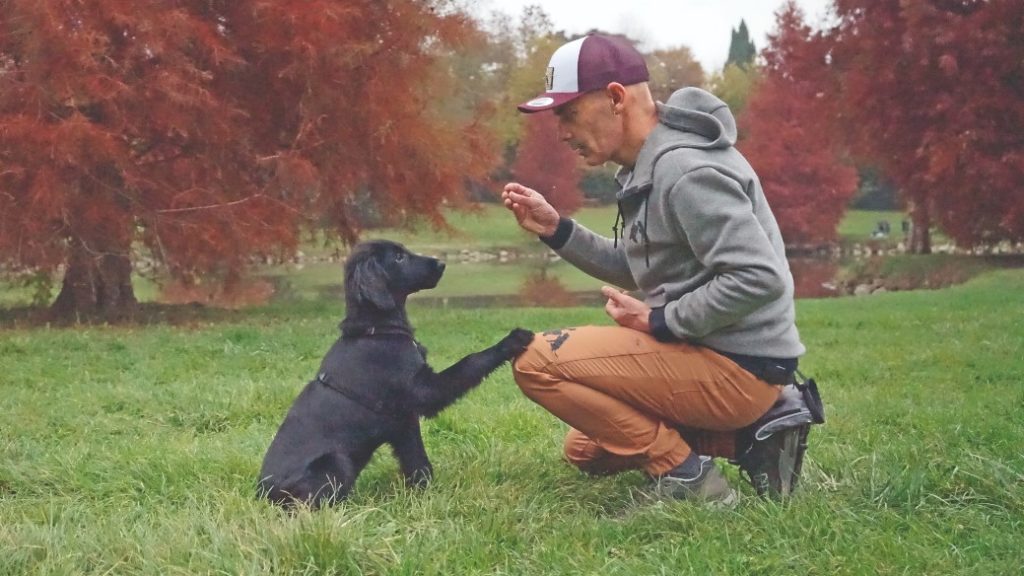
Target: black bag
(809,389)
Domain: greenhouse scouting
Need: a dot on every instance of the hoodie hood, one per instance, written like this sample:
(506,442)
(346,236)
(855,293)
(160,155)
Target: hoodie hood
(701,113)
(692,118)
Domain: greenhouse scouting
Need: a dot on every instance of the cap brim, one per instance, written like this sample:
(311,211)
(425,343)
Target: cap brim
(547,101)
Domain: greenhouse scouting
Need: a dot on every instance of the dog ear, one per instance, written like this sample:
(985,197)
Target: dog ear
(371,285)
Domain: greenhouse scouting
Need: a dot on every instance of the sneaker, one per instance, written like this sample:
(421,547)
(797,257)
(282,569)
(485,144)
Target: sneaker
(770,451)
(708,484)
(772,465)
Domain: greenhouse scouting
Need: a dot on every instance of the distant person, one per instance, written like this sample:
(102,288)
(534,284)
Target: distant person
(705,350)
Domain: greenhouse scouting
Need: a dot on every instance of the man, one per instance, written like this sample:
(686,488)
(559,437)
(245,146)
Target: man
(706,350)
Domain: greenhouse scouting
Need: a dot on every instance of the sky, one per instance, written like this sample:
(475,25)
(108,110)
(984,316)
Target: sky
(704,26)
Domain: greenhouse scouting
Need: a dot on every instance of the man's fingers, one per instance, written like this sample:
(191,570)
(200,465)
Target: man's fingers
(517,188)
(612,293)
(530,201)
(520,211)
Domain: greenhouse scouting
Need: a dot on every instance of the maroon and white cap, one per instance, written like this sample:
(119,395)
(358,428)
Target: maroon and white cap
(587,64)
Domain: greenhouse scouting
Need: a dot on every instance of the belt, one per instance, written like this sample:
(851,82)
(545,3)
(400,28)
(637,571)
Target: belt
(771,370)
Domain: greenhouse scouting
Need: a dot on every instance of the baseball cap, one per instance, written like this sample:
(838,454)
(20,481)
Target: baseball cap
(587,64)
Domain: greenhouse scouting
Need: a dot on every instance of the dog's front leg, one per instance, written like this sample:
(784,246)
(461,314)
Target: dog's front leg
(434,392)
(412,456)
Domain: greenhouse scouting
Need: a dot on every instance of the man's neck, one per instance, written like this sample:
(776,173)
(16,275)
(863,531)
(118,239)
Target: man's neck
(639,124)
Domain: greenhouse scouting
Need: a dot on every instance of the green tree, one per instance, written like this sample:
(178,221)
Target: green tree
(516,59)
(734,85)
(741,48)
(672,69)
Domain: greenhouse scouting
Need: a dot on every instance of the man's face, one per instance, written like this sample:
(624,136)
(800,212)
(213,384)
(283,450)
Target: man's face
(589,125)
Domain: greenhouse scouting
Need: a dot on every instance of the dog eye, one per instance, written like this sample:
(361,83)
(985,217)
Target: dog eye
(399,256)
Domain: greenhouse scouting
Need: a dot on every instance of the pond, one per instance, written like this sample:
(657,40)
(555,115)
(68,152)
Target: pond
(482,280)
(813,278)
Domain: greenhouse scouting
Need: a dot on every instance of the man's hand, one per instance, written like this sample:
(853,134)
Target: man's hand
(626,310)
(532,211)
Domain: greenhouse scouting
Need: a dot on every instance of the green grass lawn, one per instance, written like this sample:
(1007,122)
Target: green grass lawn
(857,225)
(134,450)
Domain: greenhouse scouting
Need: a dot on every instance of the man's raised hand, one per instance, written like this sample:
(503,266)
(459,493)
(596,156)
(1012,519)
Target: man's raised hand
(532,211)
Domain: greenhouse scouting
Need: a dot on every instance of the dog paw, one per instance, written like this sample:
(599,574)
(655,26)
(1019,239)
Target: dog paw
(517,341)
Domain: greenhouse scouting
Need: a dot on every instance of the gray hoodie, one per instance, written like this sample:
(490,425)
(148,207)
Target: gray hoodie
(699,239)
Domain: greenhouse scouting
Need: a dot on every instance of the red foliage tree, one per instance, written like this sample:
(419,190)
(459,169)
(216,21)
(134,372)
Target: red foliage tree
(109,132)
(358,91)
(208,131)
(932,92)
(548,165)
(787,140)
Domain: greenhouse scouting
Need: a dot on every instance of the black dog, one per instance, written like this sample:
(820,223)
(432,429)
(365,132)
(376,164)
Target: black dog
(373,385)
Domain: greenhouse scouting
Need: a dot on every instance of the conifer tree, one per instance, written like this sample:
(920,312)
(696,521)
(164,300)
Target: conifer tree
(741,48)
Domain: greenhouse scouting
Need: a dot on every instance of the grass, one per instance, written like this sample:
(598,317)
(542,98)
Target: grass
(135,450)
(857,225)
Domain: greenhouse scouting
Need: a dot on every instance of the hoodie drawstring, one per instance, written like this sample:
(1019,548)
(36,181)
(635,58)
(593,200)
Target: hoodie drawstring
(647,241)
(615,227)
(621,232)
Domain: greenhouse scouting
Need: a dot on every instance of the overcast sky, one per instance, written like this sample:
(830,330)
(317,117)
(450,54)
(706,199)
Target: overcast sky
(702,25)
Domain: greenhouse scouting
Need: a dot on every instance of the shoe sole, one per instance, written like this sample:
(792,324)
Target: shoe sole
(790,463)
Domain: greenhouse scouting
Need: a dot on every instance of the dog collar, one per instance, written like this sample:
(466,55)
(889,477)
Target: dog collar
(376,331)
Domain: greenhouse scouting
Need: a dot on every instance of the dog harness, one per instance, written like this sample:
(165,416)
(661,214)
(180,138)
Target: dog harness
(377,406)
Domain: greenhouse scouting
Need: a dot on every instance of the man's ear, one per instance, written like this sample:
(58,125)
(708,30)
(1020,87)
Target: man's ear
(617,94)
(371,285)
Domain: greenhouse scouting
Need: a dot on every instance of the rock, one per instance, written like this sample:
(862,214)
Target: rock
(862,290)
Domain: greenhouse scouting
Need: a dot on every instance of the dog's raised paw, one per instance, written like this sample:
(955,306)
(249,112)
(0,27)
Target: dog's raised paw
(517,340)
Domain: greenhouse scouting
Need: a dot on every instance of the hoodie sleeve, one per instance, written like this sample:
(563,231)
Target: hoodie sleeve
(715,214)
(592,253)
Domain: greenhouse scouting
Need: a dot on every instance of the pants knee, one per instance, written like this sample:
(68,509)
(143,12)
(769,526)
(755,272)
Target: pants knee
(589,457)
(581,451)
(528,369)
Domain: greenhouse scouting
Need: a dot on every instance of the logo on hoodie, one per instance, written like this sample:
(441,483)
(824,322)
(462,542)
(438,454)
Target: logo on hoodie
(638,230)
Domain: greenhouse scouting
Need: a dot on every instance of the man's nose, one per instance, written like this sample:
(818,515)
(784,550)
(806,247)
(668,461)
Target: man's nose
(564,134)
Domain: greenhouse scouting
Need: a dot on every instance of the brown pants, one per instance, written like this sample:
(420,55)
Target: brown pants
(634,402)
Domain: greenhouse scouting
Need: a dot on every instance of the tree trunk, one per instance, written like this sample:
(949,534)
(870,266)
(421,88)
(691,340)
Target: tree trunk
(97,285)
(921,222)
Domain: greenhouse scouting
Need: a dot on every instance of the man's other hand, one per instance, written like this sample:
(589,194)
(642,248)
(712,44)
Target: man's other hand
(626,310)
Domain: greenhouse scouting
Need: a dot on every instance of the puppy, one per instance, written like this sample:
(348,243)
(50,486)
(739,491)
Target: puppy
(373,385)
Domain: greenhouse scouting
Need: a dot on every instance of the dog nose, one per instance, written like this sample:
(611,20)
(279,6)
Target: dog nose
(439,265)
